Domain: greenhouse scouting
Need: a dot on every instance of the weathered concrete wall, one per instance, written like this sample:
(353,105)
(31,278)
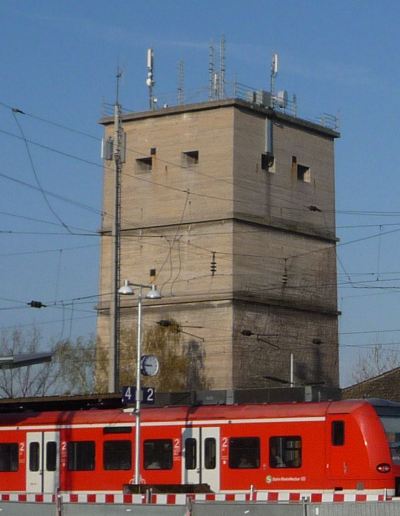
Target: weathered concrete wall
(274,254)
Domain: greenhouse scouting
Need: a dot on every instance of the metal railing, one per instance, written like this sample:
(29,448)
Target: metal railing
(279,101)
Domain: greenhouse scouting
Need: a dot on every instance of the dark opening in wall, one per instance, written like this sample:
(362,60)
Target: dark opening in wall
(190,158)
(302,172)
(144,164)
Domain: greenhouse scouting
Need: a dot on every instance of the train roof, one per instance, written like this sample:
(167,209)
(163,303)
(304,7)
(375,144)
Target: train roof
(183,413)
(162,399)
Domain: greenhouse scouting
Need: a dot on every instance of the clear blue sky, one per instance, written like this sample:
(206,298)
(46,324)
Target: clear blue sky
(58,63)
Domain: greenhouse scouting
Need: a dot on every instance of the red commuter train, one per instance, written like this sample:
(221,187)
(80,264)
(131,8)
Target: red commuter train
(313,446)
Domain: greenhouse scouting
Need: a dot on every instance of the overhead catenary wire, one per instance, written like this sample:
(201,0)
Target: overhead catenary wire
(175,164)
(56,215)
(344,244)
(186,191)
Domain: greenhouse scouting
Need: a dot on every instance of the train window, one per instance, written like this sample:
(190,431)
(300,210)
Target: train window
(81,455)
(391,424)
(190,453)
(210,456)
(9,457)
(244,452)
(51,456)
(117,430)
(158,454)
(34,456)
(285,452)
(117,455)
(337,433)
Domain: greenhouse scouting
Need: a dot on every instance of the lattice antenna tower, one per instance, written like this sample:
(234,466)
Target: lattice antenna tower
(181,82)
(222,68)
(211,70)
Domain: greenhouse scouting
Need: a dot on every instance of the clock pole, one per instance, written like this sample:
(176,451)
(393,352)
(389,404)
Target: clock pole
(138,387)
(126,289)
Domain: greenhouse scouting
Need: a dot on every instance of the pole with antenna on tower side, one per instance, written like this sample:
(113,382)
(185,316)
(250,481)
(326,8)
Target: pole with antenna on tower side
(114,353)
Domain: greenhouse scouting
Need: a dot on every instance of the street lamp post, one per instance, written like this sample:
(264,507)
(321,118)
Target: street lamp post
(127,289)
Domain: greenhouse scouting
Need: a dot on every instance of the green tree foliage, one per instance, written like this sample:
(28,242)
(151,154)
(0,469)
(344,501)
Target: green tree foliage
(166,344)
(181,364)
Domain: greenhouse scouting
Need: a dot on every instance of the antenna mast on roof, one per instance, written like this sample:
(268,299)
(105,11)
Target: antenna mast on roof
(222,68)
(211,70)
(150,78)
(181,82)
(274,73)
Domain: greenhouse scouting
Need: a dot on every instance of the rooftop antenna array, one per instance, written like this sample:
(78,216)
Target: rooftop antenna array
(181,82)
(150,77)
(217,78)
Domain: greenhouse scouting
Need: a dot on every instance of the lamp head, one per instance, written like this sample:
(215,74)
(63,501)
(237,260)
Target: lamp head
(126,289)
(153,293)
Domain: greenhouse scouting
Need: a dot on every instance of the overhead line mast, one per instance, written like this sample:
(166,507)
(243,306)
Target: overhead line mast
(114,353)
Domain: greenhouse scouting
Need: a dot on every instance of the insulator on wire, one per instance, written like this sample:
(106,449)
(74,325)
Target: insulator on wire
(285,274)
(213,265)
(36,304)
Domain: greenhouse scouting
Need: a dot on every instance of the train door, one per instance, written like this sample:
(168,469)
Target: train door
(43,465)
(338,452)
(201,451)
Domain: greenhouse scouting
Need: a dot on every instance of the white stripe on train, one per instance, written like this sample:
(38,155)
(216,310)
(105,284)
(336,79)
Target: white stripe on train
(192,423)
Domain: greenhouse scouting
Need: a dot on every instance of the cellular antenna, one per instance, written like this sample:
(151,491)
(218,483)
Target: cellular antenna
(150,77)
(274,73)
(274,66)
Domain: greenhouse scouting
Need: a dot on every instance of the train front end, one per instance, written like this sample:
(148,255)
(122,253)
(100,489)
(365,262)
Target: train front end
(389,415)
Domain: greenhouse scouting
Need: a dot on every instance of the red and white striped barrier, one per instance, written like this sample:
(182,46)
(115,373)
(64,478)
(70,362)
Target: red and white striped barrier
(182,499)
(28,497)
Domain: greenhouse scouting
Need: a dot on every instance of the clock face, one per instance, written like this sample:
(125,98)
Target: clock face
(149,365)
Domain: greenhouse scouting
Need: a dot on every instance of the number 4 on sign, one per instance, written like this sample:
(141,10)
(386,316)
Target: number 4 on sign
(129,394)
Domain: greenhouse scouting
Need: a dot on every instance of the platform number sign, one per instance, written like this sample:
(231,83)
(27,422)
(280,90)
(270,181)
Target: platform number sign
(148,395)
(129,395)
